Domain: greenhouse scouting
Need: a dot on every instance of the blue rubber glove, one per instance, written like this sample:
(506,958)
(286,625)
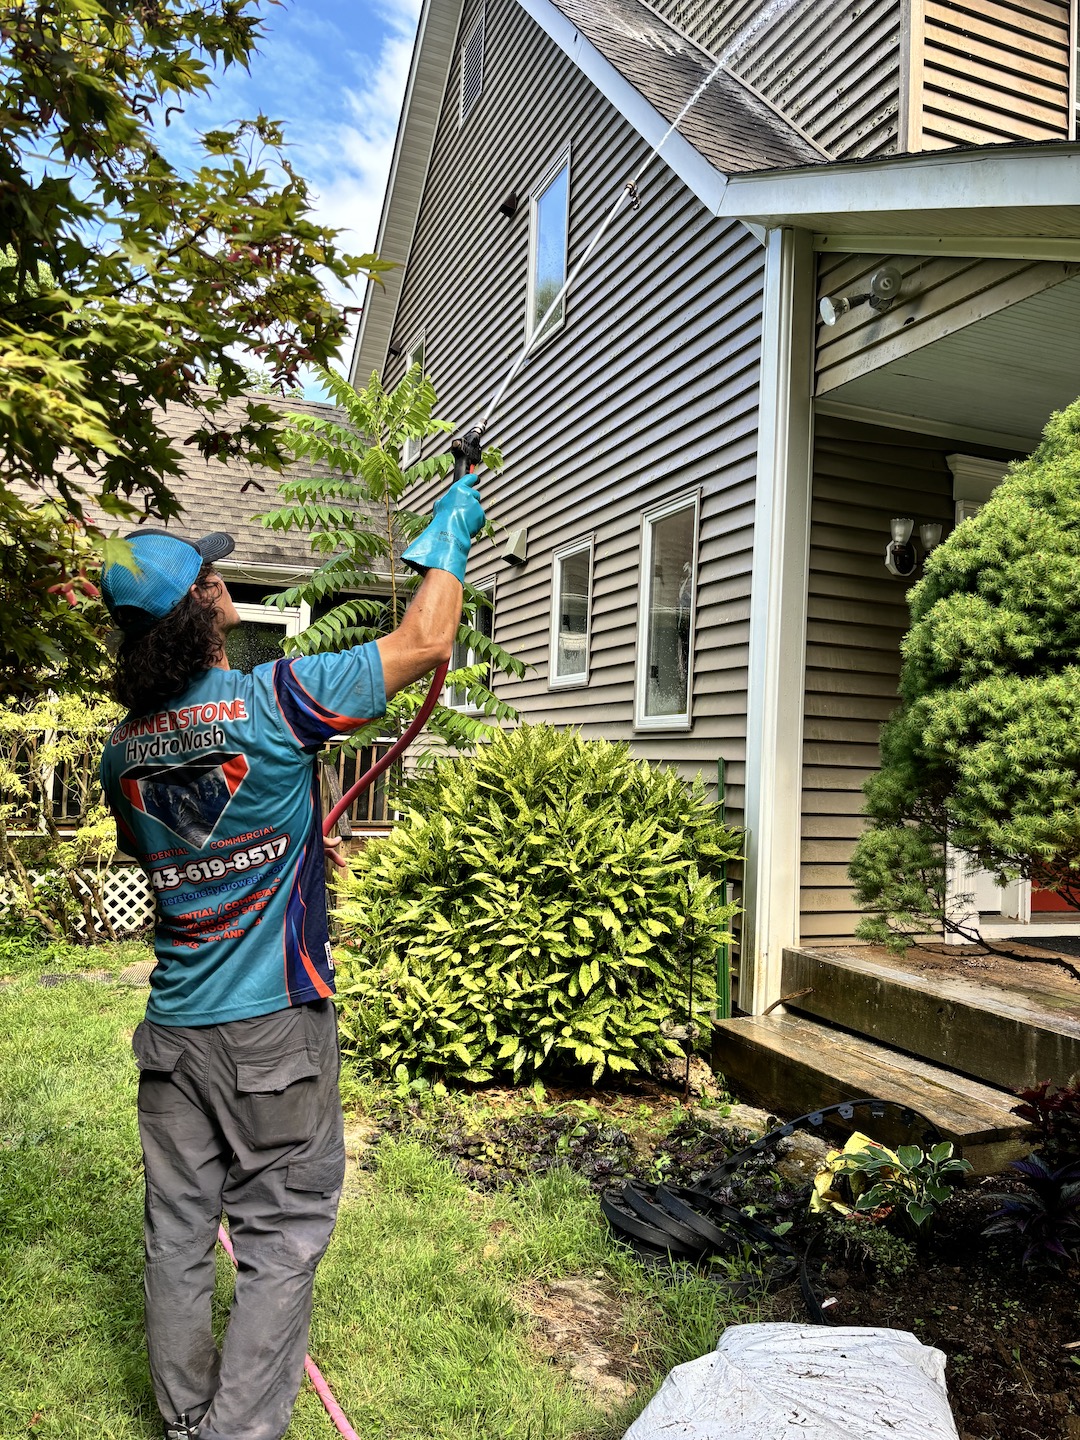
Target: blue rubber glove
(456,518)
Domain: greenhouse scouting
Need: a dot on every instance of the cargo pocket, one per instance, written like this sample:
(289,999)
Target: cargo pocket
(323,1176)
(157,1057)
(277,1098)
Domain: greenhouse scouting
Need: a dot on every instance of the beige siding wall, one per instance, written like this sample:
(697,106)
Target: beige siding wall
(986,71)
(940,295)
(832,67)
(863,477)
(649,391)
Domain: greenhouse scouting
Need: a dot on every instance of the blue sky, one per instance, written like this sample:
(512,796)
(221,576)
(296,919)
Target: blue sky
(334,72)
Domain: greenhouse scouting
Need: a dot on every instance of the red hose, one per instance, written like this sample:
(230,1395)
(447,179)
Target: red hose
(399,745)
(314,1374)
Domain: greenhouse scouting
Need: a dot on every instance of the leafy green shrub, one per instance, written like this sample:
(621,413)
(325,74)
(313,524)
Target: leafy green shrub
(539,906)
(983,753)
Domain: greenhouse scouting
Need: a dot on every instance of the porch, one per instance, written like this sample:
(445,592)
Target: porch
(950,1035)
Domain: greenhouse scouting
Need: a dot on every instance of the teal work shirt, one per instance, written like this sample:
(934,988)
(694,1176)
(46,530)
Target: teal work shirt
(217,796)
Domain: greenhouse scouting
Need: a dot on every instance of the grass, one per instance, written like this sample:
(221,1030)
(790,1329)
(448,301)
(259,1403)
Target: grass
(418,1324)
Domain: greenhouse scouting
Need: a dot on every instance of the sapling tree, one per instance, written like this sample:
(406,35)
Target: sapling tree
(358,526)
(983,753)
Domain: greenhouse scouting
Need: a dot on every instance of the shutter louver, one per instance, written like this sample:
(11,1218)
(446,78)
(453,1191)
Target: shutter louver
(472,68)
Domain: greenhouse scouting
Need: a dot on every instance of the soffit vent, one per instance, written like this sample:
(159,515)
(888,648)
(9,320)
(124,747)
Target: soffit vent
(472,69)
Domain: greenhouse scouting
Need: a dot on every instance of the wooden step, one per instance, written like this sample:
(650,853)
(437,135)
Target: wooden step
(1009,1037)
(793,1065)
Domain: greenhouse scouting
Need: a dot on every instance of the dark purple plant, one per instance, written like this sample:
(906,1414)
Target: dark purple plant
(1056,1112)
(1046,1219)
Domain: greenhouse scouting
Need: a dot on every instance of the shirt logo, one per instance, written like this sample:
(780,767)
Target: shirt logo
(187,799)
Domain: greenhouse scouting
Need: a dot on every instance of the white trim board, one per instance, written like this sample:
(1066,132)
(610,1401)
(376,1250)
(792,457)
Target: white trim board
(992,177)
(429,72)
(972,435)
(778,608)
(963,246)
(679,155)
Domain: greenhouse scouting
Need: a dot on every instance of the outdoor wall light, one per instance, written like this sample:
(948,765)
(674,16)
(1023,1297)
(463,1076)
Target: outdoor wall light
(901,554)
(885,287)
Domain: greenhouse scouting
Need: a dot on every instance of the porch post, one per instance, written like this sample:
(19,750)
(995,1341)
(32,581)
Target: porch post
(778,601)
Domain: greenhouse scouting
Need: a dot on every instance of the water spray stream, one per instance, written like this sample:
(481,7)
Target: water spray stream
(628,193)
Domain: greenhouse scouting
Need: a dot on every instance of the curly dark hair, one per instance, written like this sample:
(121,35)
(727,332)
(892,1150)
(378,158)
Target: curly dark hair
(158,659)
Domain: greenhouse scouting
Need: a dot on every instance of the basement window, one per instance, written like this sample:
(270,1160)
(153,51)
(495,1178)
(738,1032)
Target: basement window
(571,597)
(472,69)
(668,588)
(549,232)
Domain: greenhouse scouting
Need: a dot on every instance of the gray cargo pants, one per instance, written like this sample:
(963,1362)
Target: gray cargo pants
(243,1116)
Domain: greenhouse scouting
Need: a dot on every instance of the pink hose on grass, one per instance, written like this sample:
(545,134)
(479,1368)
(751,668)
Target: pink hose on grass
(314,1374)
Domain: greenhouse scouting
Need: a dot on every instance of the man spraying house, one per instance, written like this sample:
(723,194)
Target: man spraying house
(212,779)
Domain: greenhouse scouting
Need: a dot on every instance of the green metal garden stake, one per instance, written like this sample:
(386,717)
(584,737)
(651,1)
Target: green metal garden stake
(723,959)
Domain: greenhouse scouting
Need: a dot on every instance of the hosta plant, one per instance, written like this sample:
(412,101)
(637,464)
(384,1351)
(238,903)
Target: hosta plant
(911,1184)
(539,907)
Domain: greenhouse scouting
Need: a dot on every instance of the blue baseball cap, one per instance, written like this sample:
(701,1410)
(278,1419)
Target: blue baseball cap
(168,567)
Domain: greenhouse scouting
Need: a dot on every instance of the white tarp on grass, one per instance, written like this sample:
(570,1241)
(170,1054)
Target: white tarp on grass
(772,1382)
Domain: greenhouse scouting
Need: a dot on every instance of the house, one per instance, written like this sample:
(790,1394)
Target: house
(705,458)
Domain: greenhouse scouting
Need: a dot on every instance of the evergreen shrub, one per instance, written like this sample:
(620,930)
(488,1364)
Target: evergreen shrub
(537,908)
(982,756)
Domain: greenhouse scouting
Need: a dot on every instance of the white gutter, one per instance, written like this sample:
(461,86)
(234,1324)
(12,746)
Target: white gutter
(994,178)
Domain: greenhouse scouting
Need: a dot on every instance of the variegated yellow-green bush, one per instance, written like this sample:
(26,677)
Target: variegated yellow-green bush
(538,908)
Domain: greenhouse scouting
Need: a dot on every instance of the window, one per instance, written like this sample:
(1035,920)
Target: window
(666,615)
(571,603)
(548,239)
(414,355)
(257,639)
(472,69)
(483,622)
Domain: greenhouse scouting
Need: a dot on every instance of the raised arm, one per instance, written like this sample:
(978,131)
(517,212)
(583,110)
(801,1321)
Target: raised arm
(425,637)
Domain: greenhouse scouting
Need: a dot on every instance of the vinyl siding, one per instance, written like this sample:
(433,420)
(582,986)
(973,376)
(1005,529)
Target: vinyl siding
(870,77)
(940,295)
(647,392)
(986,71)
(833,68)
(863,477)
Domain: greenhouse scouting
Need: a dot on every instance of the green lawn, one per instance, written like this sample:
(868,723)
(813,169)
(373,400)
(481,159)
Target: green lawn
(417,1322)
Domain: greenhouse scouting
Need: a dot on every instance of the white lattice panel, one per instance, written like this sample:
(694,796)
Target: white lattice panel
(129,900)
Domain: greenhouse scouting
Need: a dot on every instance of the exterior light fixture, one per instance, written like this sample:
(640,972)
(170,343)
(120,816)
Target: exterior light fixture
(885,287)
(901,553)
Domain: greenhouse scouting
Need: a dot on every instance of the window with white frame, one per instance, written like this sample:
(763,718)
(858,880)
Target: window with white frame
(414,355)
(549,228)
(668,589)
(257,640)
(483,622)
(472,68)
(571,606)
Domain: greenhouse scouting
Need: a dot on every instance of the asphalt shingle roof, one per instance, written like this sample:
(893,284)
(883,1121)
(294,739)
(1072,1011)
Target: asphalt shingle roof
(730,125)
(213,498)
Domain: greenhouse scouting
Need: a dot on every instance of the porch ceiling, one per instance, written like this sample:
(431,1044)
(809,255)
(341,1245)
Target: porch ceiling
(1003,375)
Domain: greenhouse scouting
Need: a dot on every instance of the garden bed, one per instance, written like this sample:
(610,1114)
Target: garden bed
(1004,1330)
